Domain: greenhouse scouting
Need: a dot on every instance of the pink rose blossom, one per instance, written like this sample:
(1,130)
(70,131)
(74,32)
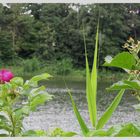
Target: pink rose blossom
(5,75)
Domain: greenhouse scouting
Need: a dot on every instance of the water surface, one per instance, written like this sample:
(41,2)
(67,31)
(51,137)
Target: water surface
(59,113)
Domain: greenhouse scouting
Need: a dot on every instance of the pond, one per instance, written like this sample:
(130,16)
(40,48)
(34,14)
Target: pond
(59,113)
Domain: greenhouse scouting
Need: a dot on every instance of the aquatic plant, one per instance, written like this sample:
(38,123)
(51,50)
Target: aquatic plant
(129,61)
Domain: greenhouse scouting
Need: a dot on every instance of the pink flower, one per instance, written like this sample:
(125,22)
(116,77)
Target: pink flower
(5,75)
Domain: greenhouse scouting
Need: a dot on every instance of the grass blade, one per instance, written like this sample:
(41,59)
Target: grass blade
(108,113)
(88,83)
(94,77)
(91,82)
(83,126)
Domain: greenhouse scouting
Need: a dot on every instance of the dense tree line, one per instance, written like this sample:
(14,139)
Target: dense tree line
(55,31)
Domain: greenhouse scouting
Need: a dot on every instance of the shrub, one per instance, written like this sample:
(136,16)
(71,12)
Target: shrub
(64,66)
(31,65)
(12,110)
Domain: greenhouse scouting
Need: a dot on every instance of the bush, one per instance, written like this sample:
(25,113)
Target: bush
(31,65)
(12,92)
(64,66)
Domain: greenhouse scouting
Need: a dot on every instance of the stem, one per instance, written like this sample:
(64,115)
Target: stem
(13,125)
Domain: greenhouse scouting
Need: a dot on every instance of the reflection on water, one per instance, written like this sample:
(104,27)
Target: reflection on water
(59,113)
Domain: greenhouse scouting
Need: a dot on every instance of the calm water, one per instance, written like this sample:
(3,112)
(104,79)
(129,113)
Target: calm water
(58,112)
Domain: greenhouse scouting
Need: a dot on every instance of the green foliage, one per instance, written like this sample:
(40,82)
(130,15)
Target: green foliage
(31,65)
(133,82)
(83,126)
(34,133)
(127,130)
(109,111)
(91,83)
(91,91)
(12,94)
(53,31)
(123,60)
(126,84)
(58,132)
(63,67)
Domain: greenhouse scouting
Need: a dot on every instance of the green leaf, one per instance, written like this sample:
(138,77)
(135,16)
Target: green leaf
(133,85)
(34,133)
(39,99)
(94,82)
(17,80)
(129,130)
(68,134)
(4,123)
(5,127)
(29,133)
(34,80)
(108,113)
(1,102)
(36,91)
(97,133)
(91,83)
(123,60)
(24,110)
(82,124)
(3,118)
(125,130)
(58,132)
(114,130)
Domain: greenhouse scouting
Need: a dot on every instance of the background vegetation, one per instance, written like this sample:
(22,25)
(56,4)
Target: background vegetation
(48,37)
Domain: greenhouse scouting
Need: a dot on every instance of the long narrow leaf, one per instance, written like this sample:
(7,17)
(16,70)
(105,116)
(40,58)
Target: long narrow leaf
(82,124)
(94,78)
(91,83)
(108,113)
(88,84)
